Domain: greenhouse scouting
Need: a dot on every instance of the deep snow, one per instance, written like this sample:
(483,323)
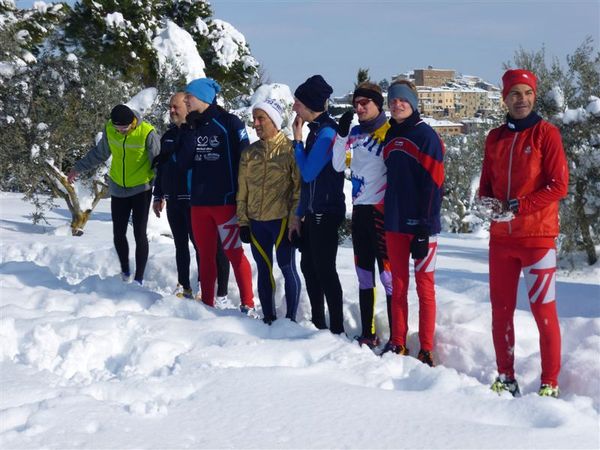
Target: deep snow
(90,362)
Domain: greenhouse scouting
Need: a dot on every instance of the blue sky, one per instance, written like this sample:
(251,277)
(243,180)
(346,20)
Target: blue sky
(294,39)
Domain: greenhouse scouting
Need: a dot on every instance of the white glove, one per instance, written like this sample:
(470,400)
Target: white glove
(489,208)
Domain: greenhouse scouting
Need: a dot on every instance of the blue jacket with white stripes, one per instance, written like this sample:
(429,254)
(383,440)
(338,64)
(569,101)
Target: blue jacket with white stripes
(414,157)
(322,189)
(210,147)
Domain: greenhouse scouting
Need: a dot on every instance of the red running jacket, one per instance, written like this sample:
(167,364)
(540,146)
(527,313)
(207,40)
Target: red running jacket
(525,160)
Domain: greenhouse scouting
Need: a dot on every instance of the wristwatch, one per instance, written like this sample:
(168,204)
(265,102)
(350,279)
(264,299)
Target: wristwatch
(513,205)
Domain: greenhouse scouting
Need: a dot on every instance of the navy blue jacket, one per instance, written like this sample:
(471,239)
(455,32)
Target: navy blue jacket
(322,189)
(170,182)
(209,150)
(414,157)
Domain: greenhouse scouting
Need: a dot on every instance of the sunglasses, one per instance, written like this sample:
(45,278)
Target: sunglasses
(122,127)
(363,102)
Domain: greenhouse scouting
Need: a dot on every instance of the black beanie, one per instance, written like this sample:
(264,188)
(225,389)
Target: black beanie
(314,92)
(369,93)
(121,115)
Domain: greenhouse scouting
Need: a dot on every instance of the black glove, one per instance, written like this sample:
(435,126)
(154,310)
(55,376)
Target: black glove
(245,235)
(419,246)
(344,123)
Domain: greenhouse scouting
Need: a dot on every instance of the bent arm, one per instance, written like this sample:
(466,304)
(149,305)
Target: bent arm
(96,156)
(554,166)
(320,154)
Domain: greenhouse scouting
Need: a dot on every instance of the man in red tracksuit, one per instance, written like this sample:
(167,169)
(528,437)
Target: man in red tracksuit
(525,168)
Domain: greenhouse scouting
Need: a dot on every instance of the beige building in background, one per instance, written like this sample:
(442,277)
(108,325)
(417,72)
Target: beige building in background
(436,101)
(433,77)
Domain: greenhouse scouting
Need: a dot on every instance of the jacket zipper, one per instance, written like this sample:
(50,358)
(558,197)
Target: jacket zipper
(124,185)
(510,158)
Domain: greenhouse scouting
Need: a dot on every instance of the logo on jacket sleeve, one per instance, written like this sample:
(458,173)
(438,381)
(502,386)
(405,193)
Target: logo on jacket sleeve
(214,141)
(243,134)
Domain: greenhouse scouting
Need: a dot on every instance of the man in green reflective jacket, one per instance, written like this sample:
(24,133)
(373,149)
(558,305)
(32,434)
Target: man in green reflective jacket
(133,144)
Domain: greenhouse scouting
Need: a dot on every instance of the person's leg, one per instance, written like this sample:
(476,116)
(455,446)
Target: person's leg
(229,231)
(140,210)
(504,280)
(398,250)
(313,285)
(262,251)
(364,263)
(286,260)
(539,268)
(178,217)
(222,271)
(120,209)
(205,236)
(425,279)
(324,245)
(383,262)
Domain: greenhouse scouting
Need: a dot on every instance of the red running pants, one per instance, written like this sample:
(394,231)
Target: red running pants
(208,222)
(398,249)
(539,268)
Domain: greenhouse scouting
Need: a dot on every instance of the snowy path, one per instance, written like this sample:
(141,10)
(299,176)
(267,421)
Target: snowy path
(88,362)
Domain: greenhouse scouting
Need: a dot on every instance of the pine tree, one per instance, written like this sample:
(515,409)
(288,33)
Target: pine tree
(119,34)
(361,76)
(384,85)
(52,107)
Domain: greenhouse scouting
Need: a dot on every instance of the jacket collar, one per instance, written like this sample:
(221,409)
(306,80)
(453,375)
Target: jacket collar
(522,124)
(195,118)
(322,120)
(275,140)
(409,122)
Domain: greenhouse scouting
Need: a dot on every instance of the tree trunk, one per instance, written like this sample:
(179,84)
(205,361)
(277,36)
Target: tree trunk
(63,189)
(584,223)
(78,221)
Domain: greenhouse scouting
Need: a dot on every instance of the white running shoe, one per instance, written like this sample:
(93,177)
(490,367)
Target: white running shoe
(223,302)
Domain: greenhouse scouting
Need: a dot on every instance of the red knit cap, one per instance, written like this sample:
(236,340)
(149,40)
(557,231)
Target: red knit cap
(517,76)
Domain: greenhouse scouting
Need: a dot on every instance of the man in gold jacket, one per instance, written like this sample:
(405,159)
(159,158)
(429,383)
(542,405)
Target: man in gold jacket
(133,144)
(268,194)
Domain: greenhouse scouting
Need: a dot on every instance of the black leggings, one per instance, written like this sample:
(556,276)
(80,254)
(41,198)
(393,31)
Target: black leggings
(121,208)
(178,214)
(319,251)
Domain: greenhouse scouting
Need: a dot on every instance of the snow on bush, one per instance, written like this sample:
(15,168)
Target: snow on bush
(177,51)
(229,45)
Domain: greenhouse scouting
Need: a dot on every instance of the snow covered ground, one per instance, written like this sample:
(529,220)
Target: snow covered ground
(89,362)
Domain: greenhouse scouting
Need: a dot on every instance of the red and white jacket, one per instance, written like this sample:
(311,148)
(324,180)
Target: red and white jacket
(525,160)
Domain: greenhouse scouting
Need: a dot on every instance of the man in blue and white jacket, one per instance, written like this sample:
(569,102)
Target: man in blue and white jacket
(364,149)
(211,143)
(171,187)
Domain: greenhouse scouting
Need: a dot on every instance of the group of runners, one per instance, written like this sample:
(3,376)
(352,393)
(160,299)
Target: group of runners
(284,194)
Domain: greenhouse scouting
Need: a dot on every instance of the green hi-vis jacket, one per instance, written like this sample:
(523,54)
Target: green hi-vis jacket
(132,155)
(130,163)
